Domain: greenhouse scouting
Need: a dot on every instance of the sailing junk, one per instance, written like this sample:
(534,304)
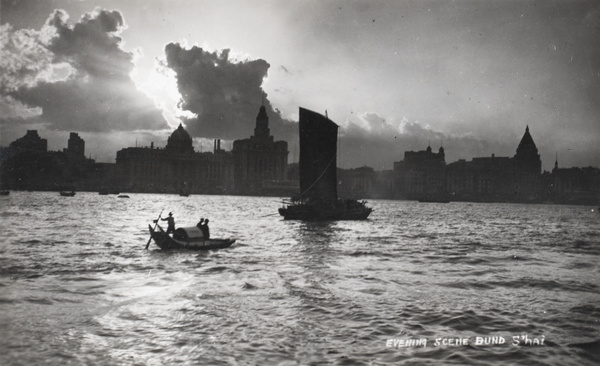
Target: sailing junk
(318,199)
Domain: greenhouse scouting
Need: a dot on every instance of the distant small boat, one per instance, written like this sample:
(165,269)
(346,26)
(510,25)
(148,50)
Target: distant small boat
(187,238)
(185,191)
(122,196)
(67,194)
(103,193)
(4,193)
(434,200)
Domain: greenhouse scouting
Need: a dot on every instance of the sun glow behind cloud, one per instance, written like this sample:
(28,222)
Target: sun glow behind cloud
(473,74)
(160,85)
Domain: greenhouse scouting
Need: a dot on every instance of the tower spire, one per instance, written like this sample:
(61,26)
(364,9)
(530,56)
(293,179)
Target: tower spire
(261,131)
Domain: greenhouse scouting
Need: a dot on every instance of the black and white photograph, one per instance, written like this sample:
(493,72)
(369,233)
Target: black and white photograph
(300,182)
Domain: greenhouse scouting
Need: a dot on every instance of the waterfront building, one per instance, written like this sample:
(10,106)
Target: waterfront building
(31,141)
(420,175)
(260,162)
(175,169)
(355,183)
(27,164)
(75,146)
(572,185)
(498,179)
(482,179)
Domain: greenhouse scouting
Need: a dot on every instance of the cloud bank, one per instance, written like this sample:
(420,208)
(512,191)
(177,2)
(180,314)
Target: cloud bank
(76,77)
(396,76)
(224,94)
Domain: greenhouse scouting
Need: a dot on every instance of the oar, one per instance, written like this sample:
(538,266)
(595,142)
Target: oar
(156,224)
(270,215)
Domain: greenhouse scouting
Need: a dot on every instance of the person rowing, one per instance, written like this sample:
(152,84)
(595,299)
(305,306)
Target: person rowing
(171,221)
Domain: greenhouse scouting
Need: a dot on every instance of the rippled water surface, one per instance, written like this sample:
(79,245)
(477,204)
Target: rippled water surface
(77,286)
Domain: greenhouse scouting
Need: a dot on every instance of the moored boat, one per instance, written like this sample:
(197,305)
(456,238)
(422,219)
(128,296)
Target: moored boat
(187,238)
(340,210)
(4,193)
(67,194)
(318,199)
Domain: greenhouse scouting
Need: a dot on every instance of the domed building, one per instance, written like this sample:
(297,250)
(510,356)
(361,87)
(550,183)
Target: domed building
(180,142)
(175,169)
(498,178)
(527,168)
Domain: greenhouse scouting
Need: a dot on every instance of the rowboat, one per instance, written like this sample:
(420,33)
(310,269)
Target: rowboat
(67,194)
(186,238)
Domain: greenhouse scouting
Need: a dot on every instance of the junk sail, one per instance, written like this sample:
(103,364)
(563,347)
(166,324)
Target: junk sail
(318,175)
(318,154)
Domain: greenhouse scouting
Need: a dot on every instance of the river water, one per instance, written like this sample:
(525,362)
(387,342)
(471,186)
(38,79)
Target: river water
(416,284)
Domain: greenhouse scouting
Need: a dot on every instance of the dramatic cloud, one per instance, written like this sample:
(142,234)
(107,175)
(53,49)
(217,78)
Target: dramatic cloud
(77,76)
(225,95)
(395,75)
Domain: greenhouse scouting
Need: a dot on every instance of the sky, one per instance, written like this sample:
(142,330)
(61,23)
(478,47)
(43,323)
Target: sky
(397,76)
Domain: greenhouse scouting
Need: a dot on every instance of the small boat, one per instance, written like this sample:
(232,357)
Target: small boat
(122,196)
(318,199)
(434,200)
(103,193)
(67,194)
(4,193)
(187,238)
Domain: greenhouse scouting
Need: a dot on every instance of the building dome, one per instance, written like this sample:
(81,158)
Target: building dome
(180,141)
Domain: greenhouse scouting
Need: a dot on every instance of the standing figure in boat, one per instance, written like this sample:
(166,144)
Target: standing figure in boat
(205,230)
(171,221)
(203,226)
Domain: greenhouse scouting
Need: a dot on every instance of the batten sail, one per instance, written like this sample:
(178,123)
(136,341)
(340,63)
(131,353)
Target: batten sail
(318,154)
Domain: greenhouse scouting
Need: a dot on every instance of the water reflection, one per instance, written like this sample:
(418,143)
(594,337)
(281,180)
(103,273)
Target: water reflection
(82,285)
